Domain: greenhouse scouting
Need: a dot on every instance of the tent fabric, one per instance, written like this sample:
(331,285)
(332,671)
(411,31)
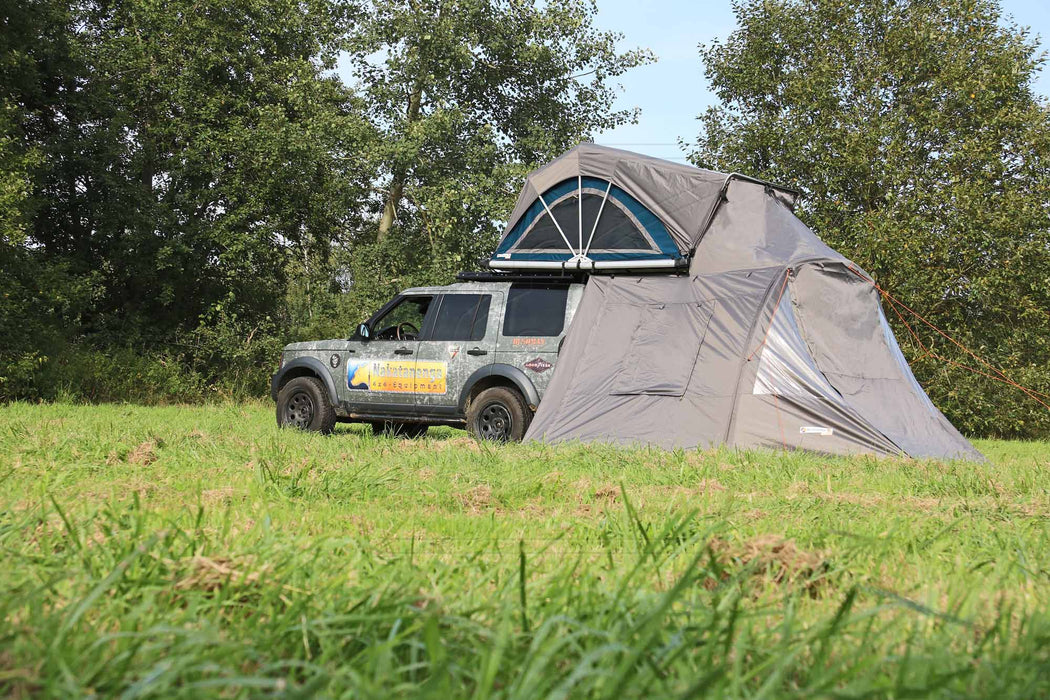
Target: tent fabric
(772,339)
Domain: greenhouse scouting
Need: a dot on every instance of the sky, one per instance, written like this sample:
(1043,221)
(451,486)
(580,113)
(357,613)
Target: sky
(673,91)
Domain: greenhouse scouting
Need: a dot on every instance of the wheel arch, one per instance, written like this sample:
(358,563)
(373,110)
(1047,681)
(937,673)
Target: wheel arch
(498,374)
(304,367)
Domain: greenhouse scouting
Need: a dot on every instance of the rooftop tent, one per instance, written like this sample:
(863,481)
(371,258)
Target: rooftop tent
(607,224)
(772,339)
(600,208)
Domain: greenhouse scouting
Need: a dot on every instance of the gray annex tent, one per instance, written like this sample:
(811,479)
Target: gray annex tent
(768,338)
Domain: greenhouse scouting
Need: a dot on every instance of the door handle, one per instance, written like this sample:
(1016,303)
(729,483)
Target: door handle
(477,351)
(403,351)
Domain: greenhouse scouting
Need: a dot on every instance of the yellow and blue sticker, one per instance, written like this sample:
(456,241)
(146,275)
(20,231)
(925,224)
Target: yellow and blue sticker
(397,376)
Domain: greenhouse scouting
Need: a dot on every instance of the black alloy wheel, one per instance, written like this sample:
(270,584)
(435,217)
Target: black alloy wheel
(498,414)
(299,411)
(303,403)
(495,422)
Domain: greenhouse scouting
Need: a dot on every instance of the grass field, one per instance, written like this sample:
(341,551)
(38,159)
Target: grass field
(201,551)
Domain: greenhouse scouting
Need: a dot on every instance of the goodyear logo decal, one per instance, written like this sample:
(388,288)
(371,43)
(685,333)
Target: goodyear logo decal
(538,365)
(397,376)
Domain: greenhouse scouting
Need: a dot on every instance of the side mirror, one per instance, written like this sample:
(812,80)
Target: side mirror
(364,331)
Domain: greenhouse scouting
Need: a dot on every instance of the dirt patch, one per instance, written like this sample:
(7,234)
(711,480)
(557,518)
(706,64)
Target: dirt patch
(534,509)
(774,559)
(1031,510)
(212,573)
(607,493)
(143,455)
(456,443)
(583,510)
(476,499)
(857,499)
(924,504)
(222,496)
(704,486)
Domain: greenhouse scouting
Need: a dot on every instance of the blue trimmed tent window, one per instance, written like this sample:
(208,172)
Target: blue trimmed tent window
(609,224)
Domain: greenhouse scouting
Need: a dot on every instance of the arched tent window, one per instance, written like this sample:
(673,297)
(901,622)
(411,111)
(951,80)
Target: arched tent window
(586,221)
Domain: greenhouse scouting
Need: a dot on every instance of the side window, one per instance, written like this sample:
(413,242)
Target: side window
(461,317)
(535,310)
(404,321)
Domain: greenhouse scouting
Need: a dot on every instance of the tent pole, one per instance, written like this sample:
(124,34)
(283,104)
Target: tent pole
(648,264)
(579,207)
(557,225)
(596,220)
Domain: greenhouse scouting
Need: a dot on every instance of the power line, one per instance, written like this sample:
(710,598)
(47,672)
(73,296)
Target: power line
(639,144)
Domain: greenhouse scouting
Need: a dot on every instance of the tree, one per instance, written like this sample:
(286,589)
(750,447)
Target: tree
(466,96)
(192,177)
(923,154)
(200,146)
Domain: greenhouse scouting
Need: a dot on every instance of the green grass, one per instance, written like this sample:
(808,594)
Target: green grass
(201,551)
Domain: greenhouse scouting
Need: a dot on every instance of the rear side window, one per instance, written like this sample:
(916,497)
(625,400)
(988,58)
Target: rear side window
(535,310)
(462,317)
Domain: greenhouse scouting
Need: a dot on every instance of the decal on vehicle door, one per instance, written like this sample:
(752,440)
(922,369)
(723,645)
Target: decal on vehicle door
(538,365)
(397,376)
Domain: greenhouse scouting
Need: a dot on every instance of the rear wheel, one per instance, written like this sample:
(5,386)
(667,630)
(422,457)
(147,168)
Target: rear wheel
(498,414)
(303,403)
(392,428)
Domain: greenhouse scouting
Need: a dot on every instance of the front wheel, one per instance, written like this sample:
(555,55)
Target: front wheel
(303,403)
(498,414)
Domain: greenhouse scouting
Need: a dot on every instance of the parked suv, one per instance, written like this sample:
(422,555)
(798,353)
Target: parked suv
(477,354)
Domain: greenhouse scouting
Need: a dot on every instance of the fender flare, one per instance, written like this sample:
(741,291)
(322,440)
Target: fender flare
(498,369)
(315,366)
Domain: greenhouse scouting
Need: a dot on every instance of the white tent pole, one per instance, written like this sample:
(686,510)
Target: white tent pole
(579,208)
(596,219)
(556,225)
(662,264)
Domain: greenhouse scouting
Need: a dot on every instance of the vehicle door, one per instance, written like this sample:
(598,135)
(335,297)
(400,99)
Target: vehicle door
(381,368)
(461,340)
(534,322)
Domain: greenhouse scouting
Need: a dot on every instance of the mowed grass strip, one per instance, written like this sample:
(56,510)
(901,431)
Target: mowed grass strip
(194,551)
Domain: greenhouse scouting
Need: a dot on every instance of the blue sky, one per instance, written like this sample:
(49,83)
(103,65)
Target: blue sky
(673,91)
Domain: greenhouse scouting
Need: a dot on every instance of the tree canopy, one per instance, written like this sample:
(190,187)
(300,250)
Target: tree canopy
(464,97)
(195,178)
(923,154)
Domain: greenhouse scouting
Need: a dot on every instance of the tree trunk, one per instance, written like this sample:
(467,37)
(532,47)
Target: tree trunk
(397,184)
(393,198)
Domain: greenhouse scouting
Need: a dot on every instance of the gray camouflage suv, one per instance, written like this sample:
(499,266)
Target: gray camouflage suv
(477,354)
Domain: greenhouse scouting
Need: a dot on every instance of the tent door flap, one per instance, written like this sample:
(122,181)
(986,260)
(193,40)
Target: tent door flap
(664,347)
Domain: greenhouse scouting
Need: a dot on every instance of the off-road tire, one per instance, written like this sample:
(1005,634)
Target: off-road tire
(391,428)
(499,414)
(303,403)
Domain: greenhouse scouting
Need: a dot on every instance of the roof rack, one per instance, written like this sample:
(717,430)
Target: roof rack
(520,277)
